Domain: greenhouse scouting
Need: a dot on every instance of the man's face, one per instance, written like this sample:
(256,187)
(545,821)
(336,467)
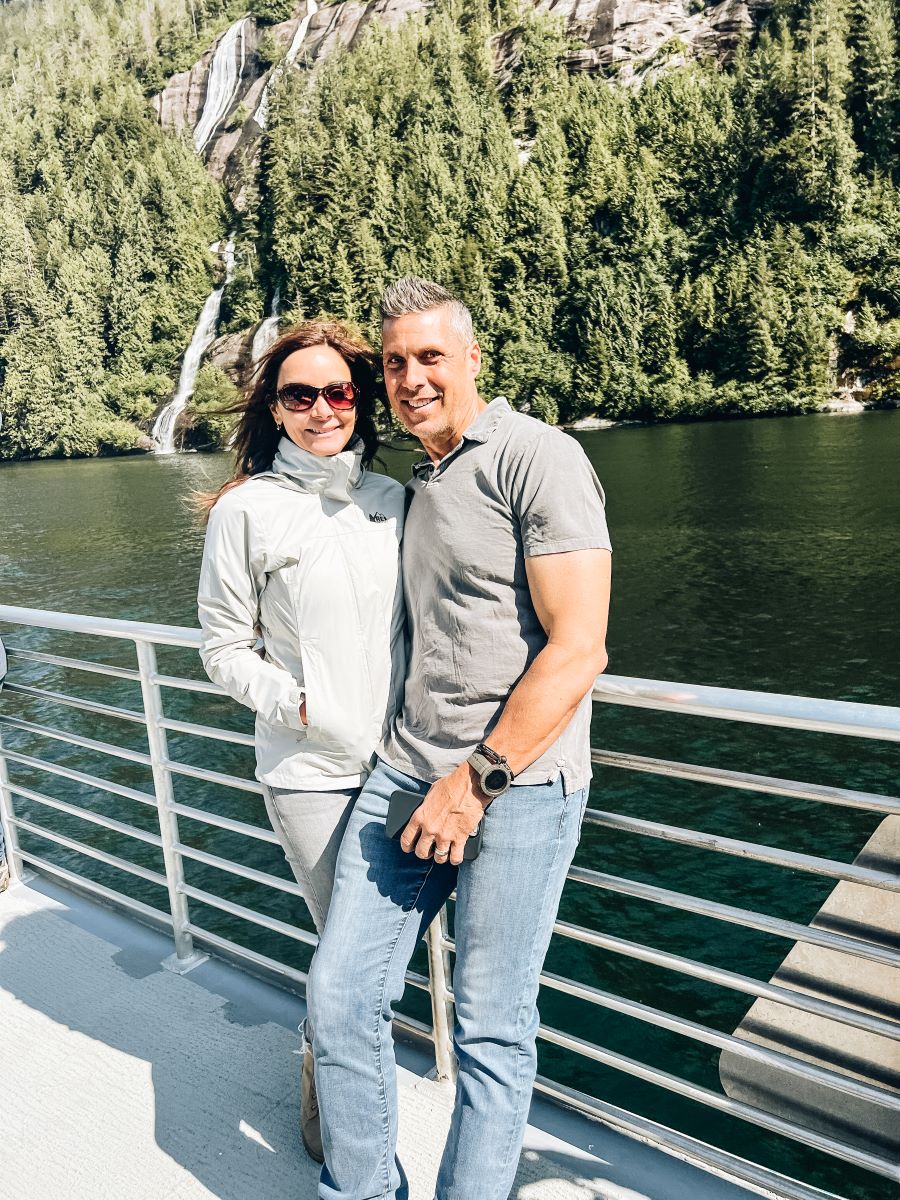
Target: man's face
(430,374)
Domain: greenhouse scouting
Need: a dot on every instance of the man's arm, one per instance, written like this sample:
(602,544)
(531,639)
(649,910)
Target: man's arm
(570,594)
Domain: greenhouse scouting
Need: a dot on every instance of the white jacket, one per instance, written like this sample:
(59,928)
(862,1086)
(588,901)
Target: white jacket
(308,554)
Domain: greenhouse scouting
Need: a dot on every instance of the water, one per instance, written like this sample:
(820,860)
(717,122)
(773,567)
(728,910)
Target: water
(204,333)
(261,116)
(754,554)
(267,332)
(222,83)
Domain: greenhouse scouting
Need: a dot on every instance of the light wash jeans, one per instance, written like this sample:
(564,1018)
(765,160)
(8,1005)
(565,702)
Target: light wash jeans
(310,826)
(383,902)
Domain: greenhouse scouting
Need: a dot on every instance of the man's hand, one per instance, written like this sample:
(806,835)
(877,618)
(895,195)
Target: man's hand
(446,818)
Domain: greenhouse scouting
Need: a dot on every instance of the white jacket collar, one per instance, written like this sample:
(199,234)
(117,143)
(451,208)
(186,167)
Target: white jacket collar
(334,476)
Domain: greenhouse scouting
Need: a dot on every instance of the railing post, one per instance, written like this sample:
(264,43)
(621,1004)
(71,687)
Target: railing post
(10,838)
(442,1018)
(185,957)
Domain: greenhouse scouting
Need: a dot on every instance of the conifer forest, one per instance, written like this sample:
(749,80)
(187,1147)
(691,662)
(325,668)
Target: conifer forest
(717,238)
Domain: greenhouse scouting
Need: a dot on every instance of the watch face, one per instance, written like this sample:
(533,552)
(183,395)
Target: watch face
(496,780)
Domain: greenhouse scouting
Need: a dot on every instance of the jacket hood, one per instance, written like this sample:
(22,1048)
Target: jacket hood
(334,476)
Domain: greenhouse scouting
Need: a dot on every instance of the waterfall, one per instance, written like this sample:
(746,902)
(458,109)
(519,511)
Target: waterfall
(261,115)
(222,82)
(266,333)
(164,428)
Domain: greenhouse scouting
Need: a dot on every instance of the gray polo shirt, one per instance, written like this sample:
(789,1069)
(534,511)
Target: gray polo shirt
(513,488)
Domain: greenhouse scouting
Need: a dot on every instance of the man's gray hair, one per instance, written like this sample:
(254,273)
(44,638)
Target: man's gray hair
(413,294)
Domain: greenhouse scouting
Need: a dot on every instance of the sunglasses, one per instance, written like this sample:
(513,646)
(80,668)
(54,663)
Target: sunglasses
(300,397)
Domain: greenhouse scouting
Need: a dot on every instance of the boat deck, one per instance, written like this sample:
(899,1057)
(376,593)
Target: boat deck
(122,1080)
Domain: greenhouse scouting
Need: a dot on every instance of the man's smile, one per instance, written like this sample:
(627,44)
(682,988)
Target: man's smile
(423,402)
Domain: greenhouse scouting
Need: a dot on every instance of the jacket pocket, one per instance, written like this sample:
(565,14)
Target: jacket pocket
(338,706)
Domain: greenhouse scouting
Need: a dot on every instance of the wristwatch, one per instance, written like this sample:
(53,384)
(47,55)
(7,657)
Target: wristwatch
(492,769)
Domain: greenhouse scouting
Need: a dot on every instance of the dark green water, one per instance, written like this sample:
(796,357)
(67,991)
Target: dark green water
(759,555)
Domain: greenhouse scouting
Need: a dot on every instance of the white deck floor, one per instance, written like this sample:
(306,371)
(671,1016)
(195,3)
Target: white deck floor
(122,1081)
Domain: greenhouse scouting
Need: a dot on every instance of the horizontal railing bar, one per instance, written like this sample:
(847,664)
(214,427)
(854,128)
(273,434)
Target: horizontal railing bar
(209,776)
(418,981)
(229,948)
(723,978)
(226,946)
(762,922)
(759,708)
(834,716)
(235,950)
(728,979)
(90,781)
(75,739)
(681,1146)
(417,1028)
(91,706)
(85,814)
(843,797)
(723,1041)
(271,923)
(133,631)
(754,851)
(713,1037)
(74,664)
(109,895)
(229,823)
(239,869)
(248,914)
(188,685)
(208,731)
(711,1099)
(111,860)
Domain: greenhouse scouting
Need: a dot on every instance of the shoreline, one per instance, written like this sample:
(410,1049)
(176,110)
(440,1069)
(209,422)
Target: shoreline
(833,408)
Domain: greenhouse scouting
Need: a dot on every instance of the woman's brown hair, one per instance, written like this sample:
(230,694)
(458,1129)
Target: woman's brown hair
(256,436)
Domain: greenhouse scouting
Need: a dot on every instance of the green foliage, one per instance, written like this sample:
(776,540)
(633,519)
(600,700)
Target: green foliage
(104,226)
(700,245)
(686,248)
(208,424)
(270,12)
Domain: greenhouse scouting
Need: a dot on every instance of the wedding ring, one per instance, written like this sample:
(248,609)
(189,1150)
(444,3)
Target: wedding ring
(441,854)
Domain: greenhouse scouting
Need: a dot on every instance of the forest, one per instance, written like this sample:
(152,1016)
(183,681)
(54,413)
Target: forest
(719,240)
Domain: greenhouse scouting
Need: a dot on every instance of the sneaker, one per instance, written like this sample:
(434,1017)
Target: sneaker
(310,1128)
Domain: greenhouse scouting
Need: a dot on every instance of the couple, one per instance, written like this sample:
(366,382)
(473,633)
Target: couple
(505,589)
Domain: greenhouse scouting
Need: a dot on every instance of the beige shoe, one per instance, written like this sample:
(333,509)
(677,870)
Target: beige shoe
(310,1128)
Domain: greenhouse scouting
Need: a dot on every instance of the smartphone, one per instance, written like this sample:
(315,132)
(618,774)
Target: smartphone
(401,807)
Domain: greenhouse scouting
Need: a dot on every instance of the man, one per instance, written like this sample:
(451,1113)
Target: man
(506,563)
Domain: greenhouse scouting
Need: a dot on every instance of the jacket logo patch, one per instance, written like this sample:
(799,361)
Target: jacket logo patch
(377,516)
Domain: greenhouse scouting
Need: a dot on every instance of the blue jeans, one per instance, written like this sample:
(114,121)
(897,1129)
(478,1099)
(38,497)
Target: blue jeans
(383,902)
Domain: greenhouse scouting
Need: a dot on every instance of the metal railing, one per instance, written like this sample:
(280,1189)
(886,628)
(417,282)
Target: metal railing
(833,717)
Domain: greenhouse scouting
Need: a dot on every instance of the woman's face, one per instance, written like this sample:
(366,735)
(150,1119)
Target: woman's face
(320,430)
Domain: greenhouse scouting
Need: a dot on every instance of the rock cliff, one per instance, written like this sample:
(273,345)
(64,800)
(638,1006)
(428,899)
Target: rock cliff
(627,38)
(627,35)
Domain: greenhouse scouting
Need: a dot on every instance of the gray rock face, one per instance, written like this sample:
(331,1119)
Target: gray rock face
(633,38)
(231,354)
(629,34)
(180,104)
(344,24)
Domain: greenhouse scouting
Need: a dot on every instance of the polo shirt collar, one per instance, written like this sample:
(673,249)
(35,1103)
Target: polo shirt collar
(479,431)
(487,420)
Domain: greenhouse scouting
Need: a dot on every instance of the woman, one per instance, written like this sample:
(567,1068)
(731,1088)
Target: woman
(302,549)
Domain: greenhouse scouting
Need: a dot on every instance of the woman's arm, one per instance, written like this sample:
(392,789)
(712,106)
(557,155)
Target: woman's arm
(232,577)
